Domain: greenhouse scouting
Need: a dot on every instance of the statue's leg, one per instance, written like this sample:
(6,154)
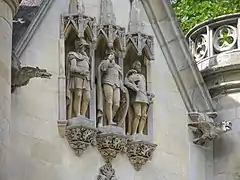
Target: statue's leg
(130,116)
(77,101)
(85,102)
(108,93)
(137,116)
(116,100)
(143,119)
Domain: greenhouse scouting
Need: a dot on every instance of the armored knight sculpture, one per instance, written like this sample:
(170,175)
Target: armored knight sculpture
(140,99)
(79,80)
(110,88)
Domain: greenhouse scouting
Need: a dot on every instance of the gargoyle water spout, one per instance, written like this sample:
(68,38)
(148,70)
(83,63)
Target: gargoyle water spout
(206,130)
(24,74)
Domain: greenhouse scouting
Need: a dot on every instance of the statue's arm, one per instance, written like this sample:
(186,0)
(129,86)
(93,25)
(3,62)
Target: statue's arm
(104,65)
(76,69)
(130,83)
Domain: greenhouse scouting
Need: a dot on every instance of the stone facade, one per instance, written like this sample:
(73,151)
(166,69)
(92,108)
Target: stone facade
(40,141)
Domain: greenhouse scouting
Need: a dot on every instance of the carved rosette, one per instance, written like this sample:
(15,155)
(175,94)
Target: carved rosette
(110,145)
(139,153)
(106,172)
(80,138)
(141,41)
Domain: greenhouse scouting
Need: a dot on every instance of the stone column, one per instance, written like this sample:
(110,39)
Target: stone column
(7,10)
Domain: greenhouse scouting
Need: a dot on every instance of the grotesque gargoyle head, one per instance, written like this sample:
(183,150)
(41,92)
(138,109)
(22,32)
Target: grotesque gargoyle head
(42,73)
(226,126)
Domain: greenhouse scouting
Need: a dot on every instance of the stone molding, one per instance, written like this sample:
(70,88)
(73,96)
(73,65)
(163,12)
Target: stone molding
(22,44)
(14,5)
(181,64)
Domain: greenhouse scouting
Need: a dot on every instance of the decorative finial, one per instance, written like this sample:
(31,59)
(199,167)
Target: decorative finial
(107,15)
(76,7)
(135,25)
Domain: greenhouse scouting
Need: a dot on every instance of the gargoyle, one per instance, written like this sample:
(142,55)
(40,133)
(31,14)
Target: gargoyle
(208,131)
(24,74)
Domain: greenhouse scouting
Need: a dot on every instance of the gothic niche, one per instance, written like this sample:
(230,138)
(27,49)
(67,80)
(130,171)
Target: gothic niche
(112,96)
(107,87)
(79,43)
(136,67)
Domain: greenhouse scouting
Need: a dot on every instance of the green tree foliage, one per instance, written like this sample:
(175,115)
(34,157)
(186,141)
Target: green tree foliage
(193,12)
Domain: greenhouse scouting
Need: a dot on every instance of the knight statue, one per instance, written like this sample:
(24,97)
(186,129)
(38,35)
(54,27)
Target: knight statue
(79,86)
(112,95)
(140,99)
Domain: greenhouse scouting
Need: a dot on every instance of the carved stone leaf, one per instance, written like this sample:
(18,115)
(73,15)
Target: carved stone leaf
(109,145)
(139,153)
(80,138)
(107,173)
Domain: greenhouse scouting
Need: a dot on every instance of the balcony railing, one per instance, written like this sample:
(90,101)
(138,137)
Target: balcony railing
(212,39)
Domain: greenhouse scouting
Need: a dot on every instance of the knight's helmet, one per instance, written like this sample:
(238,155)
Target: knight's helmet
(81,42)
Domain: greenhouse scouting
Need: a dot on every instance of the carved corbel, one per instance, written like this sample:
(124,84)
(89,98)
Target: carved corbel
(106,172)
(205,129)
(80,133)
(139,153)
(110,145)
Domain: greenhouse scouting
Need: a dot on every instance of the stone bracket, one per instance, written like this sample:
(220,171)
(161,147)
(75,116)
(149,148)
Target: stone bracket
(139,153)
(80,137)
(106,172)
(110,145)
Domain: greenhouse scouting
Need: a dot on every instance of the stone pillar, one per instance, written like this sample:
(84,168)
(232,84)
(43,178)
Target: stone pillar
(7,9)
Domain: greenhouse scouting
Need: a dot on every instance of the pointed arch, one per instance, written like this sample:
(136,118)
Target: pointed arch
(88,35)
(101,32)
(131,46)
(146,51)
(70,27)
(117,44)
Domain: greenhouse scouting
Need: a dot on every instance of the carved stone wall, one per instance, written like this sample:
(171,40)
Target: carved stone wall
(7,11)
(38,152)
(103,38)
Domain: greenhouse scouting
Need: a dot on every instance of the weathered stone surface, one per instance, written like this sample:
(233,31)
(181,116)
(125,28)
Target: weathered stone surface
(139,153)
(80,134)
(110,145)
(106,172)
(39,99)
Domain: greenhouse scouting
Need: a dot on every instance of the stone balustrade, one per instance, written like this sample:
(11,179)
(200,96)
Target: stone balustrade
(216,42)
